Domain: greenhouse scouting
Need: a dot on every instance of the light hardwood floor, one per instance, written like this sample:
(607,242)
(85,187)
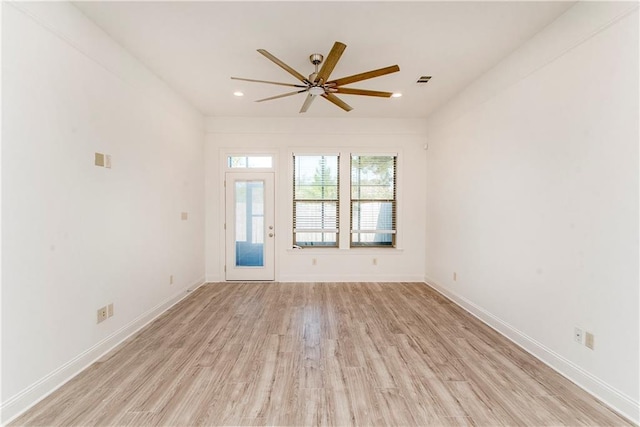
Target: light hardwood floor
(318,354)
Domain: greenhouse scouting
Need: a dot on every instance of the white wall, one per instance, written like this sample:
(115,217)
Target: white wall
(532,198)
(284,136)
(532,192)
(75,236)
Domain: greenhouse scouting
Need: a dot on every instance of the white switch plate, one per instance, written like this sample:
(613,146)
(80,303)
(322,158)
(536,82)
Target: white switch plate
(588,340)
(107,161)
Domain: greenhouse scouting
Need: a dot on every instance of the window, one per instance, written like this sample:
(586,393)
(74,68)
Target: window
(373,200)
(253,162)
(315,200)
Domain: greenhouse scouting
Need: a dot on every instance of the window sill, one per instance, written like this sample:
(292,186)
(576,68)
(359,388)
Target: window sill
(358,251)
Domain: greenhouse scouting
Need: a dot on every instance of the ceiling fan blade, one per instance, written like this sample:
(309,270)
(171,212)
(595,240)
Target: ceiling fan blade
(349,91)
(340,103)
(364,76)
(265,81)
(282,96)
(331,61)
(284,66)
(307,103)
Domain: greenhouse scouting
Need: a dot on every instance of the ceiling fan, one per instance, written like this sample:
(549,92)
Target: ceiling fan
(318,83)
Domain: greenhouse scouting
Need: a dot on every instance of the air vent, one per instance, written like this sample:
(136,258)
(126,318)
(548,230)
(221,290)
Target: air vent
(424,79)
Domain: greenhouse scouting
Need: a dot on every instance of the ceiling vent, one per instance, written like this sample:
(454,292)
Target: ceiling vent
(424,79)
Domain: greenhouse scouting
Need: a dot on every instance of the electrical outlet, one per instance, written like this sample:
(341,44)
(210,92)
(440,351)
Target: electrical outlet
(171,279)
(102,314)
(588,340)
(455,276)
(314,261)
(110,310)
(375,261)
(578,335)
(184,216)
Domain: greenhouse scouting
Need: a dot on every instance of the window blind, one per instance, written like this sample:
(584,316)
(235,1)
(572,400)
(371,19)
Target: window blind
(316,200)
(373,200)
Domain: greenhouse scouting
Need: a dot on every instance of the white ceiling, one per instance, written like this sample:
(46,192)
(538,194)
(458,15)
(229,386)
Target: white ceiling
(197,46)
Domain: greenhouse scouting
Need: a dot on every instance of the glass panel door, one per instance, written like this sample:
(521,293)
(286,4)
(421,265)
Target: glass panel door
(249,226)
(249,223)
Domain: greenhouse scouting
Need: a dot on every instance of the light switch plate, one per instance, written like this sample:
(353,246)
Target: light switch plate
(184,216)
(588,340)
(107,161)
(99,159)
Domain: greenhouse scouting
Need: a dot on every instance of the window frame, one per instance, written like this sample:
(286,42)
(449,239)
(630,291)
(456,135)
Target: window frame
(394,205)
(336,243)
(247,167)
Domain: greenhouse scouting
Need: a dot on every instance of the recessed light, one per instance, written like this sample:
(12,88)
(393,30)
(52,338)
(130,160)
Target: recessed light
(396,95)
(238,93)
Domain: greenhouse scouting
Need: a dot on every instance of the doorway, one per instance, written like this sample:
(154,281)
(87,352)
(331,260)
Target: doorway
(249,226)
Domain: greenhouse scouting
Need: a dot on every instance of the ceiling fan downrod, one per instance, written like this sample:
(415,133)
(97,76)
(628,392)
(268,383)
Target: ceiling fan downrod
(316,59)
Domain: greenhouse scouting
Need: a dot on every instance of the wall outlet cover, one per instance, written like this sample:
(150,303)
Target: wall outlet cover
(102,314)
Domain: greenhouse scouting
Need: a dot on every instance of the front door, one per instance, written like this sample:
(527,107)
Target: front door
(249,225)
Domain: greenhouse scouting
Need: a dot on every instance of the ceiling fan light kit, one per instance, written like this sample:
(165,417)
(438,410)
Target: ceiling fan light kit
(318,83)
(316,90)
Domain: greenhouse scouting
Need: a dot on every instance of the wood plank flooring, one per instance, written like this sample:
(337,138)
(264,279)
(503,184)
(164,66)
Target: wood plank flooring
(318,354)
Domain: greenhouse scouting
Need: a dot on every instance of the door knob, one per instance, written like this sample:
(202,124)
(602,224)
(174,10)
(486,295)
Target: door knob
(271,227)
(270,234)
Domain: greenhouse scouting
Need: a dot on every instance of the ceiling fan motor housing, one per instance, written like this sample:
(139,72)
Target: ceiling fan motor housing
(316,59)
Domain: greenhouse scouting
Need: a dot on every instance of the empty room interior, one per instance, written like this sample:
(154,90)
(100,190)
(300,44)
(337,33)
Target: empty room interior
(320,213)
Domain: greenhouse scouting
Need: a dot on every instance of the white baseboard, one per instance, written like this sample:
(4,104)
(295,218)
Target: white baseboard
(307,278)
(22,401)
(349,278)
(616,400)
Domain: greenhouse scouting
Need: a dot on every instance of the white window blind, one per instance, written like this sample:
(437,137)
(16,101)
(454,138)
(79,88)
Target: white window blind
(316,200)
(373,200)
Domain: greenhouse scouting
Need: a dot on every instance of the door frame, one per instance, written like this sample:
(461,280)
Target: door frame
(223,158)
